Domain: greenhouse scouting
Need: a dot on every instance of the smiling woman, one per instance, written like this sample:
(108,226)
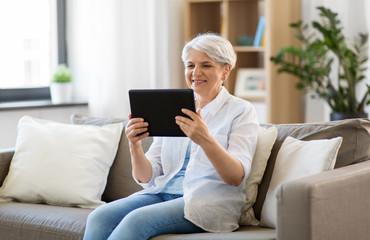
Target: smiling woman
(189,182)
(205,76)
(206,66)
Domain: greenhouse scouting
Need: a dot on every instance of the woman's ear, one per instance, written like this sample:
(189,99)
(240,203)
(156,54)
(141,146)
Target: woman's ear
(228,67)
(227,72)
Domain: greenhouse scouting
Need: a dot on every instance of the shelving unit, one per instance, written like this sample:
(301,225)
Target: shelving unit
(233,18)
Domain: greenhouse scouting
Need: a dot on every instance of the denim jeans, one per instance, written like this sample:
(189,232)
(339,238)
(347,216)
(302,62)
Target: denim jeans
(139,217)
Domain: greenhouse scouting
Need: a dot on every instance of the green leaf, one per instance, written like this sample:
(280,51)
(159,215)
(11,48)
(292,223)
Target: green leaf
(312,61)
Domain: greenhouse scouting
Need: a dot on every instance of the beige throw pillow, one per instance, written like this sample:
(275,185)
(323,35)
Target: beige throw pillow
(297,159)
(266,139)
(60,164)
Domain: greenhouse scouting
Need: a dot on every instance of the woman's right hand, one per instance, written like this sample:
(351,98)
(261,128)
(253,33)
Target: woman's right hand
(136,129)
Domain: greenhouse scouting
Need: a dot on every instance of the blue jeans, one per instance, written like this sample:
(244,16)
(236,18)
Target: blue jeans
(139,217)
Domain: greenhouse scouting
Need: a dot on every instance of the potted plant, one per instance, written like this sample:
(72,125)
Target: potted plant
(312,64)
(61,85)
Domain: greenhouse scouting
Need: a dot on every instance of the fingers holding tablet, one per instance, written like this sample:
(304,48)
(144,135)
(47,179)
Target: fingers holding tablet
(194,127)
(136,129)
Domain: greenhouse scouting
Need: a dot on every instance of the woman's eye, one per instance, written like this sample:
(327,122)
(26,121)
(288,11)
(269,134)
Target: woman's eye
(190,66)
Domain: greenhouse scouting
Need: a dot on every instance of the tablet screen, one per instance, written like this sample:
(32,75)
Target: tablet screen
(159,107)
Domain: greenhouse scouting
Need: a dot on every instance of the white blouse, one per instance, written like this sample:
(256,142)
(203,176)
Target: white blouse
(210,203)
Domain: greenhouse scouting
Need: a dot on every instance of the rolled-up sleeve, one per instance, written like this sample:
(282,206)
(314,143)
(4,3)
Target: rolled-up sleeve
(154,156)
(243,138)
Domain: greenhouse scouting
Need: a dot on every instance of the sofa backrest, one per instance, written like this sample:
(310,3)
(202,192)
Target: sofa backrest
(355,148)
(6,156)
(120,181)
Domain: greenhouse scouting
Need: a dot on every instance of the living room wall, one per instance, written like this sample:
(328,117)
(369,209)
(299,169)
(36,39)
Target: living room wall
(113,45)
(117,45)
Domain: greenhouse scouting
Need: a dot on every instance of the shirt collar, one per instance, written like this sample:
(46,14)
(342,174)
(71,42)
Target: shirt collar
(215,105)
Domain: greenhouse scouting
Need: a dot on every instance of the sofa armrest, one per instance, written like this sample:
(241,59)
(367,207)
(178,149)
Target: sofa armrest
(6,156)
(331,205)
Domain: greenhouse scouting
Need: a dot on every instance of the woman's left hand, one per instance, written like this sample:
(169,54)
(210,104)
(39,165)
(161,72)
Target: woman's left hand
(195,128)
(228,167)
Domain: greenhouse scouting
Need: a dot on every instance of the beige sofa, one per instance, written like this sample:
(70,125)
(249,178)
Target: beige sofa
(331,205)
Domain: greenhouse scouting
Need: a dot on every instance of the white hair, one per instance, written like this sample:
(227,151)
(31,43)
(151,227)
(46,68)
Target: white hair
(216,47)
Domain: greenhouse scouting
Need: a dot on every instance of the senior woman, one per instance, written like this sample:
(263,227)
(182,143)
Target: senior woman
(195,183)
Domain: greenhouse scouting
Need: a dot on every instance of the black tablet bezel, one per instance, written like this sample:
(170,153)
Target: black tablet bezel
(159,107)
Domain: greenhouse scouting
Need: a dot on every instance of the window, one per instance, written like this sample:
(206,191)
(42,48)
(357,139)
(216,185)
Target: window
(33,47)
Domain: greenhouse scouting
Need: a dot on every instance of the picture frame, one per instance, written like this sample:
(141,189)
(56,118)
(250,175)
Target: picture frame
(250,83)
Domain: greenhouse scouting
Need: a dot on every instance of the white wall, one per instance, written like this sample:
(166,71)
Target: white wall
(100,35)
(9,120)
(116,45)
(82,27)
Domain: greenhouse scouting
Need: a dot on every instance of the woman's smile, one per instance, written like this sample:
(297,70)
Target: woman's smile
(198,82)
(204,75)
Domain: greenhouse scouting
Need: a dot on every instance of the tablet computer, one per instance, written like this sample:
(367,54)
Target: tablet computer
(159,107)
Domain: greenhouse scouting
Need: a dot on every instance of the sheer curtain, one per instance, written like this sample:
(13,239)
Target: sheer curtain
(116,45)
(354,16)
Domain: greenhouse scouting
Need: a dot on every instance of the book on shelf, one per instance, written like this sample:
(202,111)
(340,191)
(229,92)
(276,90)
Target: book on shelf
(263,42)
(259,32)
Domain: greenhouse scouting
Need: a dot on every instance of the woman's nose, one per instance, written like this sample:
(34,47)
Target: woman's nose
(197,71)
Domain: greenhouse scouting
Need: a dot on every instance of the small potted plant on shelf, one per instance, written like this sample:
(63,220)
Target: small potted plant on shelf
(312,64)
(61,85)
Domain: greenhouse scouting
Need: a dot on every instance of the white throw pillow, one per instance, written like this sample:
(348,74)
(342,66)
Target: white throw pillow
(61,164)
(297,159)
(266,140)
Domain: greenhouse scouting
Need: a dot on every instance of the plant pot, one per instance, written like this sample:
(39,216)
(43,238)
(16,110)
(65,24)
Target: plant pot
(61,92)
(334,116)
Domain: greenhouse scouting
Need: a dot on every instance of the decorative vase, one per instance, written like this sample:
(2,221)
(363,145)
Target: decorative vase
(334,116)
(61,92)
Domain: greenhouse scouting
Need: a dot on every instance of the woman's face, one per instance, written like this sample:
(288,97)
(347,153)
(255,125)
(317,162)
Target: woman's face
(204,75)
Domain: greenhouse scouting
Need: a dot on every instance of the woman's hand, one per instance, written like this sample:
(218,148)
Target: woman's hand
(195,128)
(136,129)
(228,168)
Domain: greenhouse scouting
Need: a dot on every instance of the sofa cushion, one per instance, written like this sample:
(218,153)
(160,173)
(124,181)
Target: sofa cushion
(297,159)
(60,164)
(120,181)
(266,139)
(20,221)
(242,233)
(354,148)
